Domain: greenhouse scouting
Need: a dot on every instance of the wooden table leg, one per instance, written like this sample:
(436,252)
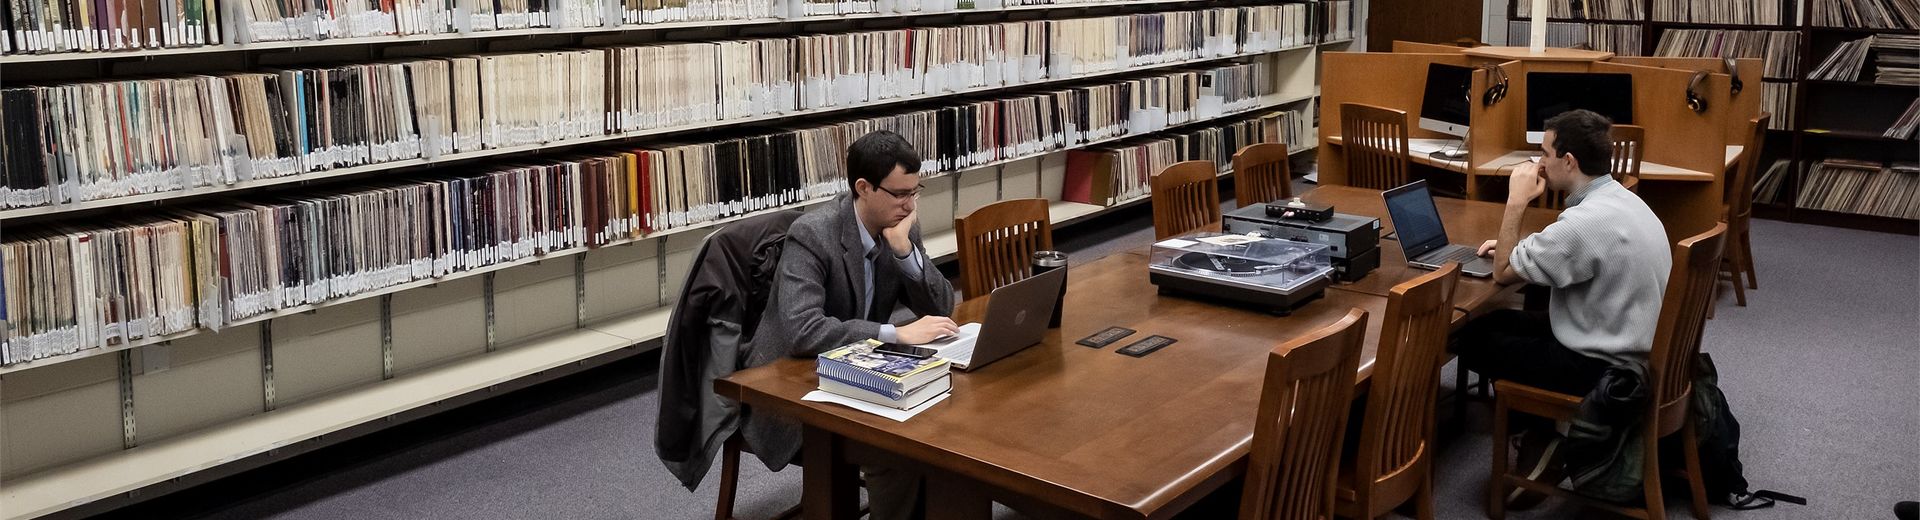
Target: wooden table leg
(832,486)
(952,498)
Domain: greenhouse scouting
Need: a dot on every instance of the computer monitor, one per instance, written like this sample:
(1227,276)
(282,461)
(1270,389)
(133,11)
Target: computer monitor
(1550,93)
(1449,95)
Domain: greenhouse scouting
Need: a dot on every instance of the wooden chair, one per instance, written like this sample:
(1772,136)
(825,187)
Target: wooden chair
(1394,460)
(1629,148)
(1186,198)
(1676,342)
(1261,174)
(730,482)
(1302,421)
(997,243)
(1374,141)
(1738,214)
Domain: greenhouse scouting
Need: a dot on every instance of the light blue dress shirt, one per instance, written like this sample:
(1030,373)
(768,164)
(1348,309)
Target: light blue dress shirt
(913,264)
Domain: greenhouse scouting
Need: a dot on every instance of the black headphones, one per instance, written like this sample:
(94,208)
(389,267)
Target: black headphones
(1733,71)
(1694,101)
(1497,84)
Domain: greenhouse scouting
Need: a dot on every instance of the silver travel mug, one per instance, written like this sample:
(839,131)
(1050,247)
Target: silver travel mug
(1044,261)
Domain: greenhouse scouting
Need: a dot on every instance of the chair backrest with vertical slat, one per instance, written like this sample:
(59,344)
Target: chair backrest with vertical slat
(1375,145)
(1683,317)
(1295,460)
(997,243)
(1551,198)
(1629,147)
(1740,190)
(1186,198)
(1399,419)
(1261,174)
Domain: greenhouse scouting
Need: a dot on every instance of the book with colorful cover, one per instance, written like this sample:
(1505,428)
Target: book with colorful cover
(861,365)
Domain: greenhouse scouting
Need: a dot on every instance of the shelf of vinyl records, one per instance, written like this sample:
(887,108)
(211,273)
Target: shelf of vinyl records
(428,138)
(247,307)
(533,349)
(1845,186)
(188,36)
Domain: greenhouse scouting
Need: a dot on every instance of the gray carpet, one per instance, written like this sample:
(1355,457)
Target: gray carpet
(1820,368)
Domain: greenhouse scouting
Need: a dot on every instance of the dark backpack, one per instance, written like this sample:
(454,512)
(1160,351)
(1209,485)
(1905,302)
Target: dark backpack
(1719,438)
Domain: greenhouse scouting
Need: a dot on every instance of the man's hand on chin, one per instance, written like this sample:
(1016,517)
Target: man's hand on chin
(900,235)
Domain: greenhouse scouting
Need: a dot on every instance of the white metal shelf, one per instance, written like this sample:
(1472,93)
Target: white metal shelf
(524,149)
(125,471)
(129,470)
(11,59)
(554,255)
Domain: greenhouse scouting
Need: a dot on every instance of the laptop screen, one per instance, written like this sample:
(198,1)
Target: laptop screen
(1415,219)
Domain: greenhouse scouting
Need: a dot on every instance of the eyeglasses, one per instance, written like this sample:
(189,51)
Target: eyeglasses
(913,193)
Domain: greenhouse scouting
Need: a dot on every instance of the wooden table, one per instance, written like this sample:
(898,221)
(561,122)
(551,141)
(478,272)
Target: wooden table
(1467,222)
(1058,426)
(1064,430)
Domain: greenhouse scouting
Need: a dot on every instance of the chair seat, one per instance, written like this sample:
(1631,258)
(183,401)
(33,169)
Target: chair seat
(1343,487)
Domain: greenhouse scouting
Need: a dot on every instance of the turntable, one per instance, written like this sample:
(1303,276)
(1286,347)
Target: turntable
(1272,274)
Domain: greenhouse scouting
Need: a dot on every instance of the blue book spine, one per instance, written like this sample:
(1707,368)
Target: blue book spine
(859,378)
(876,391)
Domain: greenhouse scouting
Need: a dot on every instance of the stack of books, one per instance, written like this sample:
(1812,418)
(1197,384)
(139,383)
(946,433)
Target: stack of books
(1779,50)
(1875,14)
(1863,187)
(1627,10)
(1896,59)
(1620,39)
(1909,120)
(860,371)
(1845,63)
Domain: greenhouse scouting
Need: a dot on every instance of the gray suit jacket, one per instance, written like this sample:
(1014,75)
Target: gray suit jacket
(816,306)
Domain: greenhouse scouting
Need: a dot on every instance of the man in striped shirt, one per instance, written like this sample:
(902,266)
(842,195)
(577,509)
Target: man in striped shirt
(1605,260)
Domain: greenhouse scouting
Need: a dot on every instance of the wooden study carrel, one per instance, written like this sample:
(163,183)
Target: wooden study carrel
(1687,156)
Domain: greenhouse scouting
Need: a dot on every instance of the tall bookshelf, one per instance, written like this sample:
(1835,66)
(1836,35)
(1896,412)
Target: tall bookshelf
(1822,120)
(91,430)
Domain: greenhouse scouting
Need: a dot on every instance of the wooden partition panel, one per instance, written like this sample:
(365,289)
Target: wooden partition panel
(1676,135)
(1404,46)
(1393,80)
(1745,105)
(1497,128)
(1679,137)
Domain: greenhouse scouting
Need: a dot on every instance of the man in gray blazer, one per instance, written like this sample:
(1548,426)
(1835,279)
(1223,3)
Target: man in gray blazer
(843,271)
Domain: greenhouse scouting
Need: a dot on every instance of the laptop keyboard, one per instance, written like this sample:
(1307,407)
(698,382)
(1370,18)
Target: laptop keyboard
(1455,254)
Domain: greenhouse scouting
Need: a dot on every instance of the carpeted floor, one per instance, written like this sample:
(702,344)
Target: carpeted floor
(1820,368)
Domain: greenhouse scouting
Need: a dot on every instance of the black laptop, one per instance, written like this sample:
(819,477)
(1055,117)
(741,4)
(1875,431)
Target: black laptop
(1421,235)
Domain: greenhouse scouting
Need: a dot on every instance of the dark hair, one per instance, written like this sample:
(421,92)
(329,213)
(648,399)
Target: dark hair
(873,157)
(1586,135)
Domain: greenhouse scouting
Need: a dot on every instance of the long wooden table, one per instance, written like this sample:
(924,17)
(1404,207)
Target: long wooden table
(1468,222)
(1064,430)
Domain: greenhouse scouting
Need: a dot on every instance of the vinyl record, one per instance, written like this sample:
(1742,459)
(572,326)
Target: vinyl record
(1224,264)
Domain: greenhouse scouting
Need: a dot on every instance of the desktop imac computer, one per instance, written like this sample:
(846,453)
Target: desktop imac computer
(1443,108)
(1550,93)
(1449,94)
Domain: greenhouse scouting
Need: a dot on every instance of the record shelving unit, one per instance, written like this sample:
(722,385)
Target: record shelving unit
(86,432)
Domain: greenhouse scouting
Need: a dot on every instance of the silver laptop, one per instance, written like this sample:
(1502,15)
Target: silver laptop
(1423,237)
(1016,319)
